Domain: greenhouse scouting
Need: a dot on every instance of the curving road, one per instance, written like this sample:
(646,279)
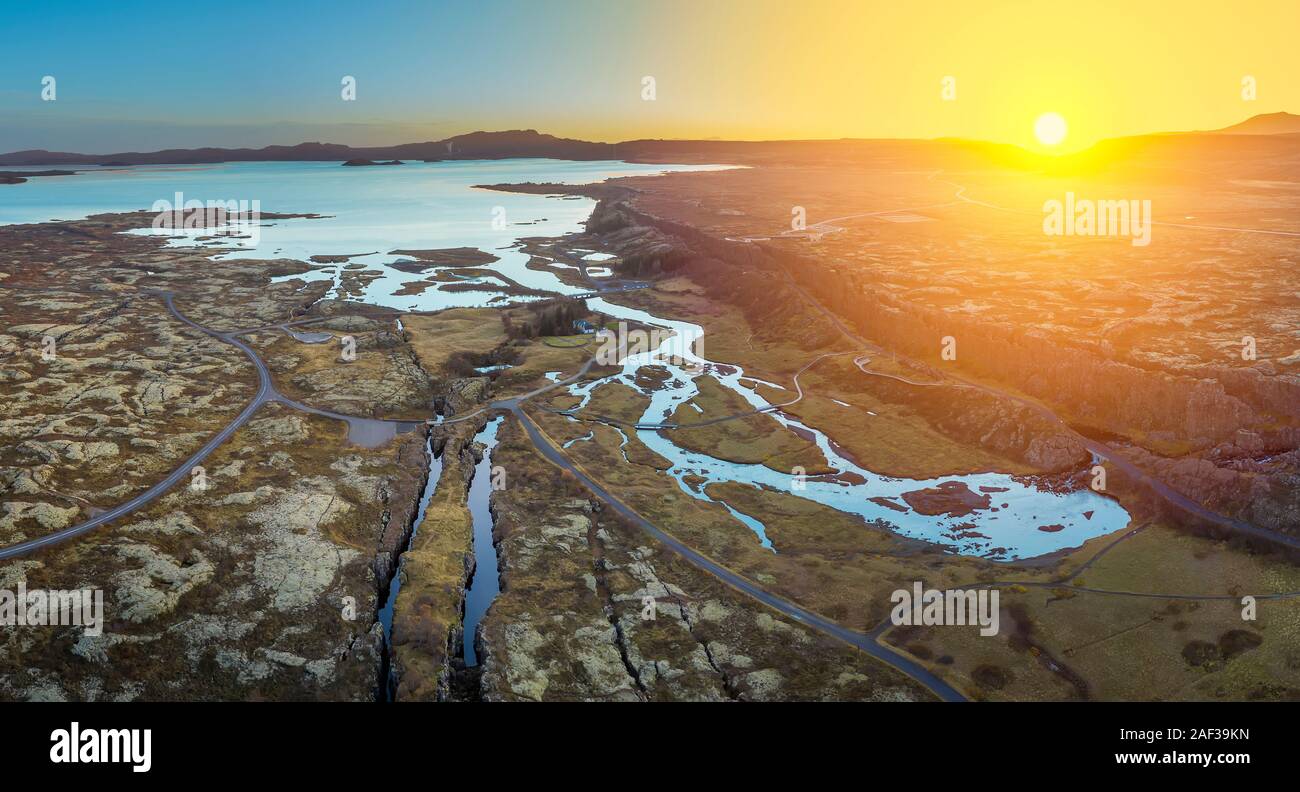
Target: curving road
(868,643)
(265,392)
(1162,489)
(807,618)
(1100,449)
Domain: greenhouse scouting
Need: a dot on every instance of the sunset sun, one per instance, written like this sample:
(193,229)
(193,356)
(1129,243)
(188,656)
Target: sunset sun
(1050,129)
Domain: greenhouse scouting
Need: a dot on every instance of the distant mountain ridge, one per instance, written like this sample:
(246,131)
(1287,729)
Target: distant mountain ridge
(475,145)
(531,143)
(1264,124)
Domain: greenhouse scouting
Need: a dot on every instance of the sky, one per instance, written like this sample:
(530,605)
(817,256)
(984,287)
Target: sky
(141,76)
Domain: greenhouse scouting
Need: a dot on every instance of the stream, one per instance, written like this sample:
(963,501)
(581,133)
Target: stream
(486,583)
(1007,531)
(373,215)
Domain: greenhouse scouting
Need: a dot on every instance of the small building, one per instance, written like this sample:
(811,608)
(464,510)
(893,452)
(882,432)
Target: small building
(583,326)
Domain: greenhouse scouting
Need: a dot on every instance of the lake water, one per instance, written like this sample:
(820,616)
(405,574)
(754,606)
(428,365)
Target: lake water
(371,210)
(376,210)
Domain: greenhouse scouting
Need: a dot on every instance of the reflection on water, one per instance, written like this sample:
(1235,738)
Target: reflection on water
(487,582)
(370,212)
(1005,532)
(367,212)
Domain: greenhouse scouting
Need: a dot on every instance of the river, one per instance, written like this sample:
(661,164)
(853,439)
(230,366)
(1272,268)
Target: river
(372,212)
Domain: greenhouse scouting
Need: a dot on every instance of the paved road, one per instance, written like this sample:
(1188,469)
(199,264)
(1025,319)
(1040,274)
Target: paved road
(866,643)
(265,391)
(1096,447)
(1165,491)
(610,290)
(862,360)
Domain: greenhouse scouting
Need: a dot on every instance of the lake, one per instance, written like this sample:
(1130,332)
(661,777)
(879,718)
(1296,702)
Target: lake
(372,211)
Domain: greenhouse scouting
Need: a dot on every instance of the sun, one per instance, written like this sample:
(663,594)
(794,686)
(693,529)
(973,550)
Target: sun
(1050,129)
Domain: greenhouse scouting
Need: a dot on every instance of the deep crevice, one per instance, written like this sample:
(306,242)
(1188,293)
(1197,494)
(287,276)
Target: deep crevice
(611,612)
(386,687)
(483,584)
(728,686)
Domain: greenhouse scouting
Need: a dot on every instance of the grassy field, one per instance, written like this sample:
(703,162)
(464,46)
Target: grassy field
(884,436)
(565,354)
(906,444)
(385,379)
(619,401)
(436,338)
(755,439)
(1057,643)
(435,571)
(827,561)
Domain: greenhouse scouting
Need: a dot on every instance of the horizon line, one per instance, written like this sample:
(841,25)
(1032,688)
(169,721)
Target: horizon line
(709,140)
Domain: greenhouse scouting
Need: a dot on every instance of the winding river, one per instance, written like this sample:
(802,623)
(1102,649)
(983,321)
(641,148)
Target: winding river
(1010,526)
(369,213)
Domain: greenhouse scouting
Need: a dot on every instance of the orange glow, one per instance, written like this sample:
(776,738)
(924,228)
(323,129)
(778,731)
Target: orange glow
(771,69)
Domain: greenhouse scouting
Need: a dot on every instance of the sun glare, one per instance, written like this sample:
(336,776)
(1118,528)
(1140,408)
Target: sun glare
(1050,129)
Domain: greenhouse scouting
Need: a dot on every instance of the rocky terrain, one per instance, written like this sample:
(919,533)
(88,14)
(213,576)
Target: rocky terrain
(260,576)
(266,575)
(1142,345)
(591,610)
(109,390)
(263,577)
(261,586)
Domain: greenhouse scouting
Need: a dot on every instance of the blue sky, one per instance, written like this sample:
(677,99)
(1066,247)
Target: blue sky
(133,75)
(155,74)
